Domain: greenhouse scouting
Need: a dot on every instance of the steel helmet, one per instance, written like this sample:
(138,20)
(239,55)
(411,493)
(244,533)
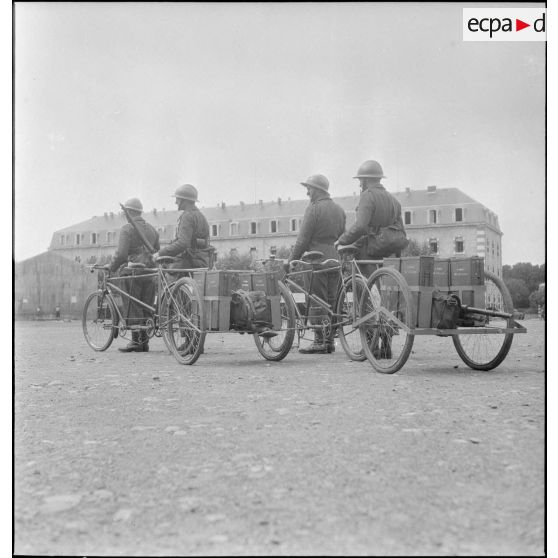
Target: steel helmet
(317,181)
(186,192)
(370,169)
(135,204)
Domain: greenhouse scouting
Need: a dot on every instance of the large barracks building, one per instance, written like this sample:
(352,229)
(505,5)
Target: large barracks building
(452,223)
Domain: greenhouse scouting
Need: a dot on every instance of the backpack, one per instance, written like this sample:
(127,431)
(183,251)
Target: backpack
(387,240)
(250,311)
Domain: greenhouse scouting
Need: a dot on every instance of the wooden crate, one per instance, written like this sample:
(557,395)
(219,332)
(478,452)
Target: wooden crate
(441,272)
(217,313)
(422,299)
(418,271)
(221,283)
(266,281)
(470,295)
(466,271)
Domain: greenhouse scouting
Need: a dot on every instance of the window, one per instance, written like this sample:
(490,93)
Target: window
(161,231)
(253,227)
(458,214)
(273,226)
(459,247)
(78,239)
(93,238)
(497,249)
(214,230)
(62,239)
(234,229)
(492,247)
(109,237)
(294,225)
(407,217)
(433,243)
(432,216)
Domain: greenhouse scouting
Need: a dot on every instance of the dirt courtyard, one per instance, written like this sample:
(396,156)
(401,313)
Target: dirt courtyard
(134,454)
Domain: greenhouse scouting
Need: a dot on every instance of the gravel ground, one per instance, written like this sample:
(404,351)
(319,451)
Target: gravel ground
(133,454)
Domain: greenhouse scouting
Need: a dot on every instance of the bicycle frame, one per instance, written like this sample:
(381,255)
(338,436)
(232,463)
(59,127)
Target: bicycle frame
(344,273)
(164,287)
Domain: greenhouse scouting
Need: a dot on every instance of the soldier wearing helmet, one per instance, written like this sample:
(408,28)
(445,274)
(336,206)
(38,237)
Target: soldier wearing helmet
(377,209)
(132,249)
(378,230)
(323,223)
(191,243)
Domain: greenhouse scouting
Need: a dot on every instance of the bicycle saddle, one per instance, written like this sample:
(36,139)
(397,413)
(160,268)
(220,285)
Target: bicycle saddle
(313,256)
(348,249)
(166,259)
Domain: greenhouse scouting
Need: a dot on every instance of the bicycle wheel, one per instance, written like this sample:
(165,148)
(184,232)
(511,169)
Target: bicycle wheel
(185,333)
(277,347)
(163,316)
(388,308)
(349,336)
(485,351)
(99,321)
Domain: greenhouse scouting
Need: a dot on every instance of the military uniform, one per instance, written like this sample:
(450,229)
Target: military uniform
(191,243)
(131,249)
(376,208)
(323,223)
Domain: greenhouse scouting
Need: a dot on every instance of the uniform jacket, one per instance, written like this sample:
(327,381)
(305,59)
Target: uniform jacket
(323,222)
(130,247)
(192,226)
(376,208)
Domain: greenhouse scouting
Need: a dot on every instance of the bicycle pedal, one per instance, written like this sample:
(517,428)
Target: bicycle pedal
(268,334)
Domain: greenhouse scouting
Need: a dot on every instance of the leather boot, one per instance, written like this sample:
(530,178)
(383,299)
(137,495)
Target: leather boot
(135,346)
(330,341)
(144,340)
(318,347)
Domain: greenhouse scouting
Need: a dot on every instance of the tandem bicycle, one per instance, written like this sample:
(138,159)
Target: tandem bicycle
(174,314)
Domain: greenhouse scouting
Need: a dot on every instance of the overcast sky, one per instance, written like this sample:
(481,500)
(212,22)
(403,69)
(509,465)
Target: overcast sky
(246,100)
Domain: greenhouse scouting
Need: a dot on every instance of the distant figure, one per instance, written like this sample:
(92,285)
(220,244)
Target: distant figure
(39,312)
(57,312)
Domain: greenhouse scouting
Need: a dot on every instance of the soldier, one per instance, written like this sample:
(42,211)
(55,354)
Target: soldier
(191,243)
(323,222)
(377,212)
(131,248)
(377,209)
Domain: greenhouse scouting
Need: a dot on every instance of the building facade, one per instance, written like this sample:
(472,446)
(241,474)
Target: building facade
(449,221)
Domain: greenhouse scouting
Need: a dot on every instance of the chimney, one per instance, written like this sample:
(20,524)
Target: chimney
(431,189)
(279,201)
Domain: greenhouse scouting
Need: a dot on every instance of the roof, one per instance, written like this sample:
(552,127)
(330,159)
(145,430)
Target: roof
(268,210)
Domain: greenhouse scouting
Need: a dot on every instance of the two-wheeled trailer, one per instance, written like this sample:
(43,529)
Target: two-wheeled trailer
(392,313)
(187,308)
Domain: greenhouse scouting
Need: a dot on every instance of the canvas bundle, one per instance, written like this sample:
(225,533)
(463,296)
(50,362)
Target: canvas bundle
(445,310)
(250,311)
